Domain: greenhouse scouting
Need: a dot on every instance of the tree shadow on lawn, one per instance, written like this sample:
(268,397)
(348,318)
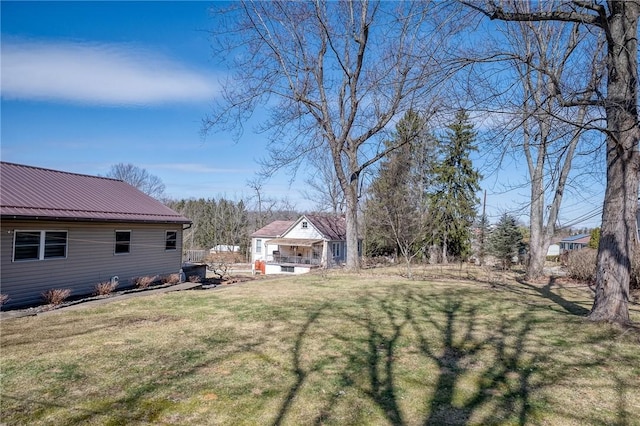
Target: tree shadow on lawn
(508,364)
(547,292)
(504,384)
(474,366)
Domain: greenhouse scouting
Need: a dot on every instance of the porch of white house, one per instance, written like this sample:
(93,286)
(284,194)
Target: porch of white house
(293,255)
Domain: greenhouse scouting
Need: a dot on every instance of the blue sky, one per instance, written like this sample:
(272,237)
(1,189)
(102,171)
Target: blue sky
(86,85)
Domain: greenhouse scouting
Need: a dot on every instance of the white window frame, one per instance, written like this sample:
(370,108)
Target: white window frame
(41,244)
(258,245)
(115,245)
(335,249)
(305,224)
(166,240)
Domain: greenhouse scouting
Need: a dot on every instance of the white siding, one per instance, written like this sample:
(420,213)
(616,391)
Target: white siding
(90,258)
(299,232)
(265,252)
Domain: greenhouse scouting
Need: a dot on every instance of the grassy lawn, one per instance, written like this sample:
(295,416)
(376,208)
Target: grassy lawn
(337,349)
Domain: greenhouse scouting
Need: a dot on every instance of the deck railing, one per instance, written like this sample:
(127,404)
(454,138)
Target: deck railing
(296,260)
(194,256)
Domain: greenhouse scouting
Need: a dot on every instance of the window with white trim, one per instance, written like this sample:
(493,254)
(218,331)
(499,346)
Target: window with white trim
(171,240)
(335,249)
(305,225)
(39,245)
(123,242)
(258,246)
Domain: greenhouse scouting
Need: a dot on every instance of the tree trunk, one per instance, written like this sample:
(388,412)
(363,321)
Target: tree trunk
(537,255)
(535,258)
(619,227)
(351,196)
(444,250)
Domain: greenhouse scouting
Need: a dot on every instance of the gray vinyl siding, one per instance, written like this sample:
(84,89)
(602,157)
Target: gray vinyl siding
(90,258)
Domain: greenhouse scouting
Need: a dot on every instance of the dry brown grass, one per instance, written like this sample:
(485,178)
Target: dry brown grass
(343,349)
(144,282)
(105,288)
(171,279)
(56,296)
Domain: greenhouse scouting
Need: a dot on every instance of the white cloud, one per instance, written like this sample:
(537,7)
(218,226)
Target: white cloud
(92,73)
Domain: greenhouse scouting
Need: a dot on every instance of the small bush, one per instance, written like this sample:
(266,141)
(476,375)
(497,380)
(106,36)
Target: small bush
(144,282)
(105,288)
(4,298)
(56,296)
(581,264)
(171,279)
(194,278)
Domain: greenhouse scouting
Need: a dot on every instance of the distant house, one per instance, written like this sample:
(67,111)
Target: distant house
(224,248)
(574,242)
(311,241)
(553,250)
(72,231)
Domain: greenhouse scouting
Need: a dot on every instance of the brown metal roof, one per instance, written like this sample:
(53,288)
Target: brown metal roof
(331,227)
(274,229)
(33,192)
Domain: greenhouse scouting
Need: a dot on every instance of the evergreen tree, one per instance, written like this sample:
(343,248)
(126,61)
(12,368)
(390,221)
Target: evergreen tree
(453,201)
(396,211)
(505,240)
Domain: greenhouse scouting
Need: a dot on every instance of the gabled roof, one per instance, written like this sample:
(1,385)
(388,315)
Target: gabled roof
(331,227)
(274,229)
(576,238)
(35,193)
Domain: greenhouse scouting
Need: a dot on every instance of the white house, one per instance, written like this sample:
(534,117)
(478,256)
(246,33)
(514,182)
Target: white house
(311,241)
(224,248)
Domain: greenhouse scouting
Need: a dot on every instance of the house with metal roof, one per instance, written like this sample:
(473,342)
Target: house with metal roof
(296,247)
(63,230)
(574,242)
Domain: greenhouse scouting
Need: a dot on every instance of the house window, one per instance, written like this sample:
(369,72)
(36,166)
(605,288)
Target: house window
(171,240)
(305,225)
(287,269)
(39,245)
(335,249)
(123,242)
(258,246)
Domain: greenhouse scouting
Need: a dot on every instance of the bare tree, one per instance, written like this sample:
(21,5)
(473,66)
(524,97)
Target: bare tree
(323,185)
(334,76)
(535,124)
(138,177)
(617,20)
(266,209)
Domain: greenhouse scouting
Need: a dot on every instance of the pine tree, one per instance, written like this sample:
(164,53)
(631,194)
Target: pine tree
(505,240)
(454,199)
